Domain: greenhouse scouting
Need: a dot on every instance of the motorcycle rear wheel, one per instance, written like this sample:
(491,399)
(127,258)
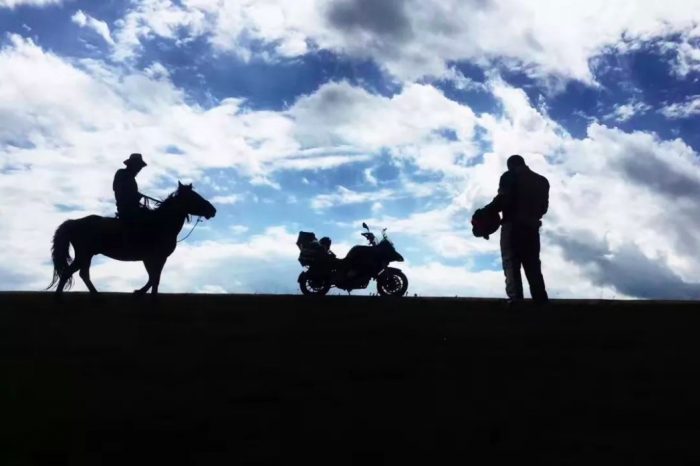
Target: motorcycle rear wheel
(392,283)
(313,287)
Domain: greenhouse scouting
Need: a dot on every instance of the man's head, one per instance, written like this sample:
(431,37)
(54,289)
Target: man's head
(135,163)
(325,242)
(515,162)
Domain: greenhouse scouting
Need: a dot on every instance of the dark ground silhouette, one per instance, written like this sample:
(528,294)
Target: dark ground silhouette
(270,380)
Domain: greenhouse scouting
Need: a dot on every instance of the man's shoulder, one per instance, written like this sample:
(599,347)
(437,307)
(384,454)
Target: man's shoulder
(123,173)
(507,176)
(540,178)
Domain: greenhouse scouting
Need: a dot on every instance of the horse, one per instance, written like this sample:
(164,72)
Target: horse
(151,242)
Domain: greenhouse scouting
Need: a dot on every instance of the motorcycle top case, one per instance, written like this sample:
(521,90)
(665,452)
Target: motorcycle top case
(309,248)
(305,238)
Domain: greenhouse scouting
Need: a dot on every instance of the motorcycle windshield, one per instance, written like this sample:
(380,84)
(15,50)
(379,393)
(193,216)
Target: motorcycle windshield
(392,254)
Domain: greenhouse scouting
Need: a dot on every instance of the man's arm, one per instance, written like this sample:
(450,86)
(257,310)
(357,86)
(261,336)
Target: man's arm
(545,195)
(505,190)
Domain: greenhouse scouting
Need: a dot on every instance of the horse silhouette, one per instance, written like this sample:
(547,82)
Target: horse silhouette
(151,240)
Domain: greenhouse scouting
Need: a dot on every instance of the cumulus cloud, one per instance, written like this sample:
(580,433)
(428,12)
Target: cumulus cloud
(627,269)
(410,124)
(621,201)
(629,192)
(242,266)
(60,118)
(687,51)
(413,39)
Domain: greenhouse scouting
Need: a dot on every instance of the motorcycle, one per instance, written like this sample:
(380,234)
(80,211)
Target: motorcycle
(355,271)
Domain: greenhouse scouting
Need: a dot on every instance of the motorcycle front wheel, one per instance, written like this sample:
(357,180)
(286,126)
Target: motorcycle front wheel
(392,283)
(313,287)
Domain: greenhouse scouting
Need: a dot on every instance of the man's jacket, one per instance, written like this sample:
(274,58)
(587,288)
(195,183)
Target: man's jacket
(523,196)
(126,191)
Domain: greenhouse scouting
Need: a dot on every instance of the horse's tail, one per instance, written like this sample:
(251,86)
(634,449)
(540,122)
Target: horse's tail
(60,253)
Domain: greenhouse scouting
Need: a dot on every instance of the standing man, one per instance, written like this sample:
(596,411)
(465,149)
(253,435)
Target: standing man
(126,191)
(523,198)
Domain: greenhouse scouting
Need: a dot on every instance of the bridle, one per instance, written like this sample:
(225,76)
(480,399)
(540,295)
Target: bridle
(158,202)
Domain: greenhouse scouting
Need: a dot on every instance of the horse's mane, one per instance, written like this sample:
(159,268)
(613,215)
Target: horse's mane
(168,201)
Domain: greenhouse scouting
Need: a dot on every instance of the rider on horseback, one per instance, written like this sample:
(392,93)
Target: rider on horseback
(126,191)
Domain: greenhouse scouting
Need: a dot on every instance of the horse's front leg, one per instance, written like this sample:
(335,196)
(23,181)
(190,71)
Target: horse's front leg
(157,269)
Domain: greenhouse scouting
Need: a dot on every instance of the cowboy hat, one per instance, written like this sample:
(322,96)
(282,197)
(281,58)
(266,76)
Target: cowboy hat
(135,159)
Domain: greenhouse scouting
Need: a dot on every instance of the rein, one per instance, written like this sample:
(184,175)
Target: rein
(159,202)
(149,198)
(199,219)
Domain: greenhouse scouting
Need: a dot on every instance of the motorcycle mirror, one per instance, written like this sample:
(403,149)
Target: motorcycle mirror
(364,225)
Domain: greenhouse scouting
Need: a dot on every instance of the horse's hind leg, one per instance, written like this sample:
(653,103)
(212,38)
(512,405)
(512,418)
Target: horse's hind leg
(84,265)
(149,268)
(65,276)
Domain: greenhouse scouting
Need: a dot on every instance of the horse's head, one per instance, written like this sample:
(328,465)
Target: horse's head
(192,203)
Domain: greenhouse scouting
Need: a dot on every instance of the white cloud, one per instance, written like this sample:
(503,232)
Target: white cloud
(436,279)
(156,18)
(37,3)
(345,196)
(626,111)
(61,118)
(244,266)
(87,21)
(687,109)
(628,196)
(413,38)
(409,124)
(688,52)
(462,82)
(239,229)
(227,199)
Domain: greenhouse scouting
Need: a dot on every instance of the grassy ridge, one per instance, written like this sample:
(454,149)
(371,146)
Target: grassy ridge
(362,380)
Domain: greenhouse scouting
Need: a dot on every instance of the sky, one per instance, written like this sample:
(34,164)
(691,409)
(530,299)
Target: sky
(317,115)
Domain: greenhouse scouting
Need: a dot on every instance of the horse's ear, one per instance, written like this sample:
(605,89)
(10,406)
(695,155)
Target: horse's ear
(179,185)
(190,186)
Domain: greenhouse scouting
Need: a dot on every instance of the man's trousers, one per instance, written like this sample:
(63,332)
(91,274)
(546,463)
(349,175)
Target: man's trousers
(520,246)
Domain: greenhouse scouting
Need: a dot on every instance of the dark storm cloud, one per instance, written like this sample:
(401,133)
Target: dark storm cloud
(381,17)
(645,168)
(683,227)
(627,269)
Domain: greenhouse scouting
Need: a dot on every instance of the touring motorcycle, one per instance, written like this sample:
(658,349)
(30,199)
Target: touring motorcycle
(362,264)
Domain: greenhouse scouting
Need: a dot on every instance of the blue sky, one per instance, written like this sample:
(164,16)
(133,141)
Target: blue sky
(320,114)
